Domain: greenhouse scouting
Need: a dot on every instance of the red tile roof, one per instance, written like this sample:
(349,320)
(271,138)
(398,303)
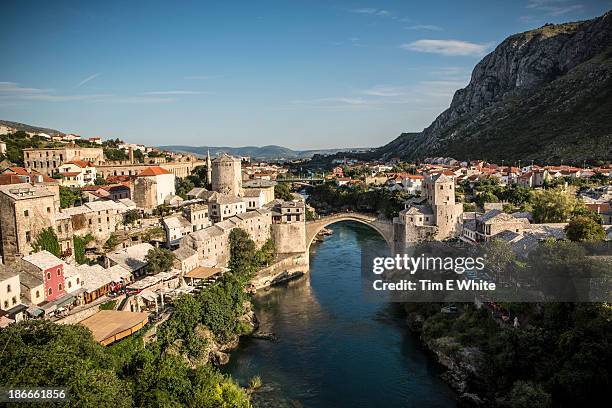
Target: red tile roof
(80,163)
(153,171)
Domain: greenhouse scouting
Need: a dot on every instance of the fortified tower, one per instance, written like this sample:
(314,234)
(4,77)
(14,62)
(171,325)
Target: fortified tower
(227,175)
(208,169)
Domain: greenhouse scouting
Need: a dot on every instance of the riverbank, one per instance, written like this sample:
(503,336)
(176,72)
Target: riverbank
(333,349)
(462,365)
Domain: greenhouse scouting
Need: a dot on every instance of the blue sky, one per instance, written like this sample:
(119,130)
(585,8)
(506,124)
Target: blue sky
(302,74)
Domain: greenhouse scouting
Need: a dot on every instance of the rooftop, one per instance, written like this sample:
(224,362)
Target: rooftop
(108,326)
(25,191)
(153,171)
(43,260)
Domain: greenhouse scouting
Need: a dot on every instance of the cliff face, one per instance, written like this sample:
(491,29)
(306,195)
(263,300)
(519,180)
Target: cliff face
(548,90)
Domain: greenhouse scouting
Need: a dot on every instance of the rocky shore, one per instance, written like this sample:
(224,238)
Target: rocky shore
(462,365)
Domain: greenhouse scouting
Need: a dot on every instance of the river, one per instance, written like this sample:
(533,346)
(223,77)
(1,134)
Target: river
(335,349)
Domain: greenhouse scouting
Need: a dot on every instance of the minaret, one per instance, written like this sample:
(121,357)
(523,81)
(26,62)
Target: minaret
(208,168)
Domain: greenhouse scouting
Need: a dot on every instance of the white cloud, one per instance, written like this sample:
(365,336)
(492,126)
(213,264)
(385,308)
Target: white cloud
(15,88)
(12,92)
(371,11)
(201,77)
(384,91)
(429,27)
(447,47)
(142,99)
(174,93)
(89,78)
(554,8)
(66,98)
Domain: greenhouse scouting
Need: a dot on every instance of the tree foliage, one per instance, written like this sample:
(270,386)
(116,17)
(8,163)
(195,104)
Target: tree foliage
(282,191)
(584,228)
(79,244)
(69,196)
(553,205)
(328,197)
(159,260)
(47,241)
(39,353)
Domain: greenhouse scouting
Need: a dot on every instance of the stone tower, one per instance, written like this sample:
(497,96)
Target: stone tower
(208,168)
(227,175)
(440,192)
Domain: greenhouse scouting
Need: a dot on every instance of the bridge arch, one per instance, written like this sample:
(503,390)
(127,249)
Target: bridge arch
(383,227)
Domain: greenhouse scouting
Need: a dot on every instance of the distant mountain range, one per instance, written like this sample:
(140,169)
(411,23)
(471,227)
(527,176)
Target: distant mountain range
(29,128)
(255,152)
(544,94)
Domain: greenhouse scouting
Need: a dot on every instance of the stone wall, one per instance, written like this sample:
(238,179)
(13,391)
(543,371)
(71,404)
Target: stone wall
(289,238)
(284,269)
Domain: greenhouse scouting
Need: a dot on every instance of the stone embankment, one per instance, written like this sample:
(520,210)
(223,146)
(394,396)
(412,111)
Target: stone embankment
(462,365)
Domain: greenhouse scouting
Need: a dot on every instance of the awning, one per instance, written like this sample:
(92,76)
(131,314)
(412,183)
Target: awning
(35,311)
(66,301)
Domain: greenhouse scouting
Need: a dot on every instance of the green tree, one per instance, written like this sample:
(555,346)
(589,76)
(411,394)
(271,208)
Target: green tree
(529,395)
(47,241)
(100,181)
(183,186)
(113,154)
(111,242)
(159,260)
(282,191)
(69,196)
(553,205)
(131,216)
(79,244)
(584,228)
(39,353)
(242,252)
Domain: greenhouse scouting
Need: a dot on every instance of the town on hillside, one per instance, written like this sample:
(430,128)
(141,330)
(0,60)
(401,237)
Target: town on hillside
(103,224)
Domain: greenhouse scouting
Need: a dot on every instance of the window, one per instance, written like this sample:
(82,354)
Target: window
(78,281)
(69,284)
(37,294)
(50,291)
(6,305)
(8,288)
(48,275)
(59,229)
(59,271)
(48,210)
(26,213)
(14,300)
(59,287)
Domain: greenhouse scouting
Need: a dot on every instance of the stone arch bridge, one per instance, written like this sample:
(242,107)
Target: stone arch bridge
(383,227)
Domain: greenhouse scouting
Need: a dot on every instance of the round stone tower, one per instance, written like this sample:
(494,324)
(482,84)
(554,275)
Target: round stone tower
(227,175)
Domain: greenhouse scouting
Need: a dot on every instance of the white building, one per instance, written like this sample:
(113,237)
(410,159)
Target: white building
(77,173)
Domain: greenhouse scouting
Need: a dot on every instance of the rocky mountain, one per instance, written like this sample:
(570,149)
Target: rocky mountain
(29,128)
(544,94)
(257,152)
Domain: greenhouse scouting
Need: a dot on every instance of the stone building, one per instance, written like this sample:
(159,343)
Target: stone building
(227,175)
(288,226)
(212,243)
(492,223)
(26,210)
(224,206)
(152,186)
(10,288)
(98,218)
(48,161)
(433,216)
(265,186)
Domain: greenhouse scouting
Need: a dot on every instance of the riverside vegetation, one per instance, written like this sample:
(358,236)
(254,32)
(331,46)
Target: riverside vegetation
(175,370)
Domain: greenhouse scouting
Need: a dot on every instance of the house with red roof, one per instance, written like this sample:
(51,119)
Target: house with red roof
(152,186)
(77,173)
